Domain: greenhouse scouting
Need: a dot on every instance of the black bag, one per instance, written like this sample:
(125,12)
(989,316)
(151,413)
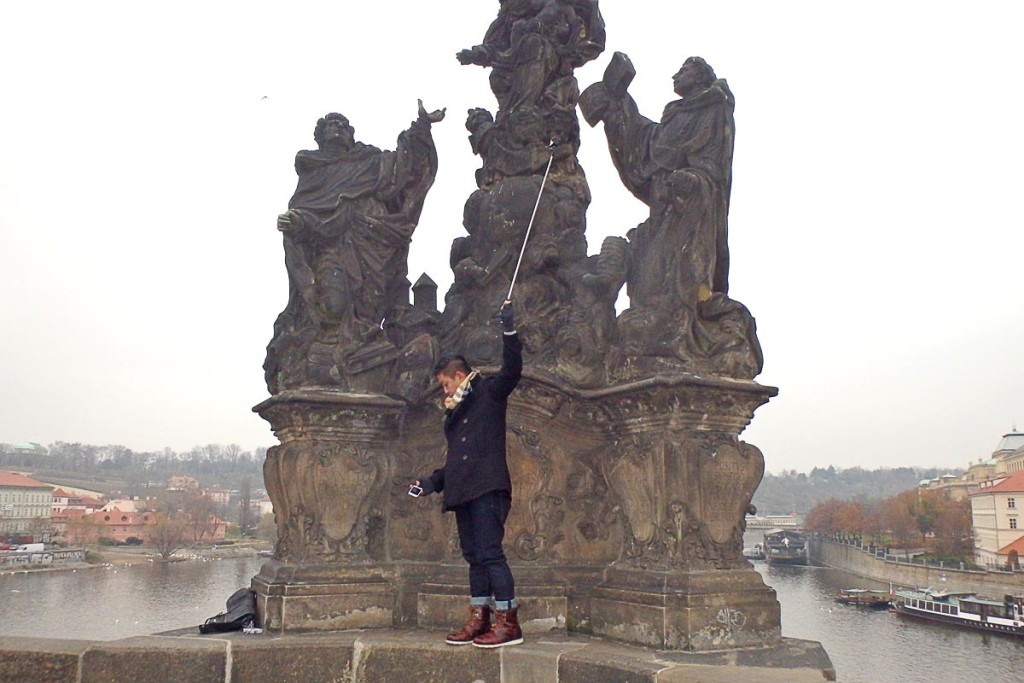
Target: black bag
(241,612)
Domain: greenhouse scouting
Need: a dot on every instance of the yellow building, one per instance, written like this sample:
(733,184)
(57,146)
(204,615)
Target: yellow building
(996,516)
(24,505)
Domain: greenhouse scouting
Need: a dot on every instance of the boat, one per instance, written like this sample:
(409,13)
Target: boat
(755,552)
(785,546)
(963,609)
(863,597)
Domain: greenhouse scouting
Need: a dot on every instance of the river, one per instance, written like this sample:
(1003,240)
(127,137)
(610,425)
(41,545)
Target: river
(111,602)
(866,646)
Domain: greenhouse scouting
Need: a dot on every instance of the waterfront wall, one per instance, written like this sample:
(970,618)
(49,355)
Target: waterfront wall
(50,557)
(885,568)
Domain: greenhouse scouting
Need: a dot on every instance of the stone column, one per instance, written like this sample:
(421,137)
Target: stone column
(329,481)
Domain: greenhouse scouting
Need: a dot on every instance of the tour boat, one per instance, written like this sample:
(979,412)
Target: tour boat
(785,546)
(963,609)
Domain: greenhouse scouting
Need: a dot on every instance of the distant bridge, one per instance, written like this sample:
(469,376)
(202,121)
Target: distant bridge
(774,522)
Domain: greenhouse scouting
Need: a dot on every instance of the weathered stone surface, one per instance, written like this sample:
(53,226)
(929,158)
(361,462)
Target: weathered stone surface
(717,674)
(389,655)
(537,663)
(449,610)
(40,660)
(346,241)
(325,658)
(609,664)
(152,658)
(392,657)
(325,597)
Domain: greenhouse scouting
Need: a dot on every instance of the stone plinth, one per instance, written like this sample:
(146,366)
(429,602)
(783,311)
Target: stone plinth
(627,520)
(329,481)
(697,611)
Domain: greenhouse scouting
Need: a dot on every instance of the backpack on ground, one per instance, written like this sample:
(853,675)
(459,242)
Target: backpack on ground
(240,613)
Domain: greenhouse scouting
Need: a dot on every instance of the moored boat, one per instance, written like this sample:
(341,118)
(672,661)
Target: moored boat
(862,597)
(785,546)
(755,552)
(963,609)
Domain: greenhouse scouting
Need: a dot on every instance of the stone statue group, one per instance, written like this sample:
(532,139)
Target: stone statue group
(348,322)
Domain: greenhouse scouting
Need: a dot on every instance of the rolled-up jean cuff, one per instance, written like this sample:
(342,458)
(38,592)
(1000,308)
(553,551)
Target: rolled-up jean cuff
(505,605)
(484,601)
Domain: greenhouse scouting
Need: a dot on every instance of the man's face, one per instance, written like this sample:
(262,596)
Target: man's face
(449,383)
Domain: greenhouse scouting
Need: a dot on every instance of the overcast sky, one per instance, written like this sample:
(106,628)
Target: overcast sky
(146,149)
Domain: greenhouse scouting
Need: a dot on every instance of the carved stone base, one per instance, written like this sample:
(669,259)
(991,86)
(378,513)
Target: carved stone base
(695,611)
(294,598)
(541,609)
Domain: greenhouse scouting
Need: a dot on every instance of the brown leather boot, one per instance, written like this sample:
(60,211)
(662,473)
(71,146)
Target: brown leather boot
(505,631)
(479,623)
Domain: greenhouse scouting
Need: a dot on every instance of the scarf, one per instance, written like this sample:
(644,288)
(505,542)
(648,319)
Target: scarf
(451,403)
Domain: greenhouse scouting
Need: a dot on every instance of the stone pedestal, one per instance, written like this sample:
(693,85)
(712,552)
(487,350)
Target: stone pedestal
(695,611)
(329,481)
(293,597)
(627,520)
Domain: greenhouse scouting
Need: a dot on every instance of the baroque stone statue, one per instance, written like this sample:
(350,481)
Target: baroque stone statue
(346,240)
(676,264)
(624,435)
(530,144)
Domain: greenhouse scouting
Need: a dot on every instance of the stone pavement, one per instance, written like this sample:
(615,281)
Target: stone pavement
(392,656)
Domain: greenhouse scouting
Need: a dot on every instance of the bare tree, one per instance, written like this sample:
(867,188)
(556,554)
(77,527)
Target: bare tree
(200,515)
(267,530)
(168,534)
(82,531)
(245,522)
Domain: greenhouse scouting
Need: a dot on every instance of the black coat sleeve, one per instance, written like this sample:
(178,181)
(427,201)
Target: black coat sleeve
(434,483)
(502,384)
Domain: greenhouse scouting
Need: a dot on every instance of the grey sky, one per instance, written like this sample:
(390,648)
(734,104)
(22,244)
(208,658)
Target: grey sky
(876,234)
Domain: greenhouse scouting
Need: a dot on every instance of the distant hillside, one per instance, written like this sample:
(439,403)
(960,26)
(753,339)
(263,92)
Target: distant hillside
(114,468)
(794,491)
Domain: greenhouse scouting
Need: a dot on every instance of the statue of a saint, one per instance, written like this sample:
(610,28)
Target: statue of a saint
(677,271)
(681,167)
(346,239)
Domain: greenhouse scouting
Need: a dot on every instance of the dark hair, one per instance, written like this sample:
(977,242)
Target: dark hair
(450,364)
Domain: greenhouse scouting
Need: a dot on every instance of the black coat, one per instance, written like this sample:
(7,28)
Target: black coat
(475,430)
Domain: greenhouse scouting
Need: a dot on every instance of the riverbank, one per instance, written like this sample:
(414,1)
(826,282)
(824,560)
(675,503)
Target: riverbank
(860,561)
(126,556)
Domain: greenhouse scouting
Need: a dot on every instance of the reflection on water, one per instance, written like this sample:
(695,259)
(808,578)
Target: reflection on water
(106,603)
(876,645)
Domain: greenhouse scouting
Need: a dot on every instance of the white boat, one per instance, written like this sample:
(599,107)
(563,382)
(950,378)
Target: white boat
(963,609)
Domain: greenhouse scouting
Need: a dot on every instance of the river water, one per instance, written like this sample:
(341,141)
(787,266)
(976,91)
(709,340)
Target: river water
(107,603)
(865,646)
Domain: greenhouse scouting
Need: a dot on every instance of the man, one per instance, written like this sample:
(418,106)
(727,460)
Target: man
(476,485)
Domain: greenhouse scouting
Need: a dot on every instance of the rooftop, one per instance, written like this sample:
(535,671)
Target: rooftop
(1012,484)
(1017,545)
(20,480)
(1011,441)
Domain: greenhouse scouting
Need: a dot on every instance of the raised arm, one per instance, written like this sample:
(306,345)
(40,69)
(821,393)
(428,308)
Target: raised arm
(503,383)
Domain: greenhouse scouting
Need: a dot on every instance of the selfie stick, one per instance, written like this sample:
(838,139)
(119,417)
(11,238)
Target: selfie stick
(551,146)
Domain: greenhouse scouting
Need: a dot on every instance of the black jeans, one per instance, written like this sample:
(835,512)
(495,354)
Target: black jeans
(481,524)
